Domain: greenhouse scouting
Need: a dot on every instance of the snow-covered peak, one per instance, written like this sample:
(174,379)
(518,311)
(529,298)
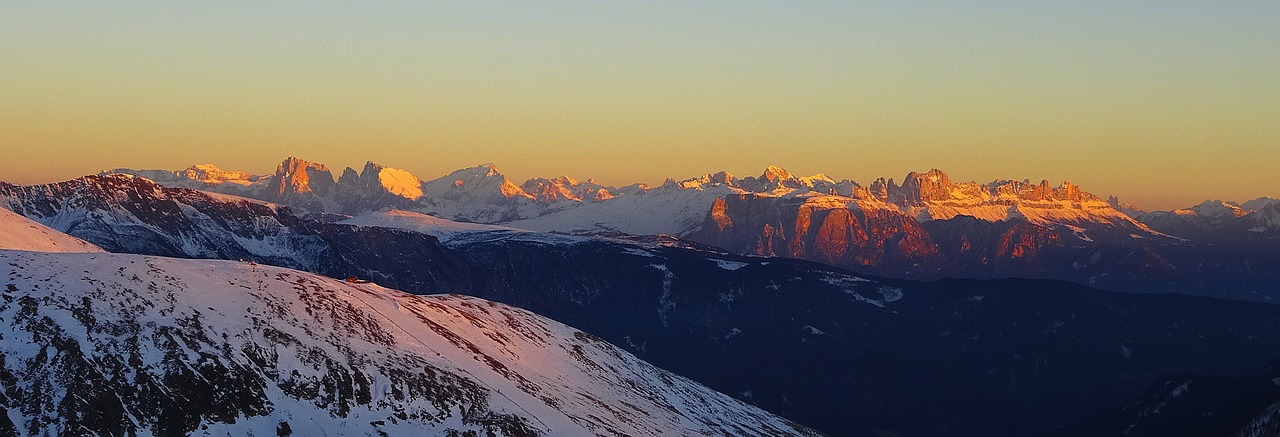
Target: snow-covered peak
(719,178)
(1259,203)
(774,173)
(1265,218)
(812,181)
(564,188)
(483,183)
(1218,208)
(493,169)
(21,233)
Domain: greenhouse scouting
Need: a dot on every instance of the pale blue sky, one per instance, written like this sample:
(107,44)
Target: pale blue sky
(1163,103)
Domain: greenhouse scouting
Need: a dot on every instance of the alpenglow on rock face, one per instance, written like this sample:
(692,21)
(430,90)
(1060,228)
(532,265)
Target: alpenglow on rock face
(103,344)
(484,194)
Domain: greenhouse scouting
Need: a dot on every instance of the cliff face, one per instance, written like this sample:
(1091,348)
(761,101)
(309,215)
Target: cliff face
(881,238)
(799,228)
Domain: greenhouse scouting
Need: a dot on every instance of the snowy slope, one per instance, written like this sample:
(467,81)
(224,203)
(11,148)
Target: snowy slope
(444,230)
(122,213)
(669,210)
(1220,220)
(21,233)
(118,344)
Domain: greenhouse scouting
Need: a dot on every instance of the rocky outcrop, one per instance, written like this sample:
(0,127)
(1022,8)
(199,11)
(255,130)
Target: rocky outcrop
(566,189)
(877,238)
(798,228)
(300,183)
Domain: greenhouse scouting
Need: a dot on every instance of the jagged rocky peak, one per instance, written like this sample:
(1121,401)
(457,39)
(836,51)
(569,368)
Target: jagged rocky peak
(295,175)
(349,176)
(774,173)
(1127,208)
(211,174)
(566,188)
(919,188)
(551,190)
(772,179)
(1042,191)
(880,188)
(719,178)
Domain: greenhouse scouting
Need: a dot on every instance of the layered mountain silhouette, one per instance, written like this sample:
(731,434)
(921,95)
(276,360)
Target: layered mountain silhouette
(926,227)
(117,344)
(840,352)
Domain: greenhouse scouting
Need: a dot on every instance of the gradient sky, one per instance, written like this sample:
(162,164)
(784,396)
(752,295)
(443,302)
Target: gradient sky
(1162,103)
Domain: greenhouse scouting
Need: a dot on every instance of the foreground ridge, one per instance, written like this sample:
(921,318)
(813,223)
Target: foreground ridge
(124,344)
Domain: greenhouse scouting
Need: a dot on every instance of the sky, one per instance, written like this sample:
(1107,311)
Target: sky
(1164,104)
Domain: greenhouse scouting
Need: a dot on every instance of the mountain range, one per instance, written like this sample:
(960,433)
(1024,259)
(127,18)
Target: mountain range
(928,227)
(843,352)
(116,344)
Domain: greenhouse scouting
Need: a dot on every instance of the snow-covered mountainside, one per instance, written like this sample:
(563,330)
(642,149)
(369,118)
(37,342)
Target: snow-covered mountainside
(1218,221)
(446,231)
(567,189)
(669,209)
(105,344)
(21,233)
(123,213)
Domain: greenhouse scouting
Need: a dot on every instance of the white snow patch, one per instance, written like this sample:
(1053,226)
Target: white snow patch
(812,330)
(889,294)
(665,303)
(445,230)
(729,265)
